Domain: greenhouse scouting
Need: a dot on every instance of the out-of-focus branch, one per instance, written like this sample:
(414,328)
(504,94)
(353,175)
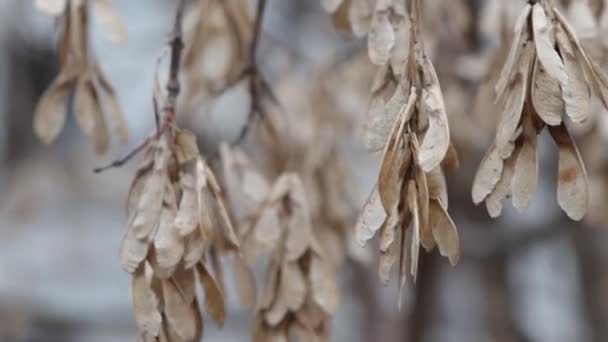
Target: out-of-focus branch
(259,88)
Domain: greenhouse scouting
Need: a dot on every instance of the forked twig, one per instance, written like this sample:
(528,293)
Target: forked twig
(258,85)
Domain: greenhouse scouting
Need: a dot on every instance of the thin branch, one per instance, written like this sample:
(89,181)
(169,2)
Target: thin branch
(177,46)
(122,161)
(173,88)
(259,19)
(258,86)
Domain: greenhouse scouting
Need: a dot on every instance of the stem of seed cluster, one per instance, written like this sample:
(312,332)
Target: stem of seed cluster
(173,88)
(177,46)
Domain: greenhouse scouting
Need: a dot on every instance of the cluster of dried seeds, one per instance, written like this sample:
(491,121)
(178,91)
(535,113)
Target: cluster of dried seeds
(178,226)
(94,100)
(385,22)
(409,203)
(218,40)
(547,76)
(300,288)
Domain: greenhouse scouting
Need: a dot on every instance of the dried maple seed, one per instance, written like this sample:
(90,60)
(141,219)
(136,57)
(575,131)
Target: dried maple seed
(94,98)
(410,185)
(547,78)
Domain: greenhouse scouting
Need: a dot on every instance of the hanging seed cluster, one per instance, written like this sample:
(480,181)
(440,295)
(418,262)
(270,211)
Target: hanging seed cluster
(384,21)
(409,203)
(547,78)
(178,224)
(94,100)
(218,40)
(299,291)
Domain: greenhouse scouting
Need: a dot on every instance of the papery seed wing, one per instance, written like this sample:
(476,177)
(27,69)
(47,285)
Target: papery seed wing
(596,79)
(401,49)
(518,89)
(311,313)
(388,257)
(276,312)
(519,37)
(214,298)
(422,202)
(547,96)
(271,283)
(438,188)
(371,218)
(139,183)
(445,232)
(195,247)
(299,226)
(84,105)
(412,199)
(112,106)
(292,286)
(132,250)
(503,187)
(576,92)
(222,218)
(267,230)
(185,282)
(544,39)
(381,119)
(436,141)
(525,174)
(395,159)
(178,310)
(186,220)
(381,34)
(324,284)
(51,110)
(151,199)
(487,175)
(167,242)
(572,191)
(387,232)
(144,304)
(244,281)
(185,146)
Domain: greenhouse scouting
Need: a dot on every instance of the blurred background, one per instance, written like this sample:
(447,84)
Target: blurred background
(530,276)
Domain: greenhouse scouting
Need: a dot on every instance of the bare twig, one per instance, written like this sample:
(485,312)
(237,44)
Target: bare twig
(258,86)
(122,161)
(173,88)
(177,46)
(257,29)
